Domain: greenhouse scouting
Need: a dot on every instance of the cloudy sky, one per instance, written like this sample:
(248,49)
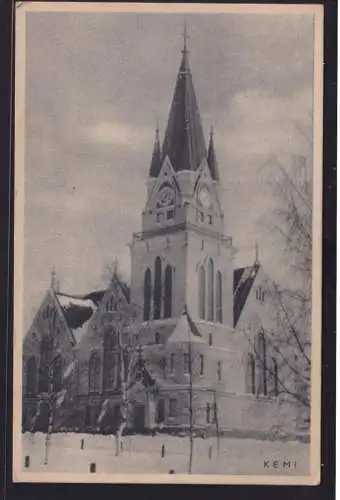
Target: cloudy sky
(97,83)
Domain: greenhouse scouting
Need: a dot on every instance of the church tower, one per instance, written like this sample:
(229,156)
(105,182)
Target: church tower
(182,255)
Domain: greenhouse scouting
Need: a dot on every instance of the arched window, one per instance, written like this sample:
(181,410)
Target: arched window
(201,292)
(110,361)
(210,290)
(219,297)
(168,292)
(45,353)
(262,364)
(147,295)
(275,378)
(219,371)
(207,413)
(251,374)
(157,293)
(162,364)
(172,363)
(57,374)
(186,363)
(157,338)
(31,376)
(210,339)
(201,365)
(94,372)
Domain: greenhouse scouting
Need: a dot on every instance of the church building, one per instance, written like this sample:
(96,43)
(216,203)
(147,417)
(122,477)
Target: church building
(192,322)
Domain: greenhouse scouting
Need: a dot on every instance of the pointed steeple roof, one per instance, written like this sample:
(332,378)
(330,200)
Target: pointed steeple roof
(211,158)
(184,140)
(155,164)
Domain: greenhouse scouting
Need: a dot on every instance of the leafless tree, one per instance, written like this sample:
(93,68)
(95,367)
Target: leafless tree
(131,363)
(291,299)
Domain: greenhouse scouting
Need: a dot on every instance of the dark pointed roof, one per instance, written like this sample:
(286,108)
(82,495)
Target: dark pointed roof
(244,278)
(211,158)
(184,140)
(155,164)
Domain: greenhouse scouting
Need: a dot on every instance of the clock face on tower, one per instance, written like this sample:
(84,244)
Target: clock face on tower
(204,197)
(166,197)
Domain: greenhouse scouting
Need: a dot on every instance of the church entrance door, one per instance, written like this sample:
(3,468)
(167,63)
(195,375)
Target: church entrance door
(139,418)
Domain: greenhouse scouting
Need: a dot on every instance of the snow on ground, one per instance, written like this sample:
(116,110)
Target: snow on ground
(142,454)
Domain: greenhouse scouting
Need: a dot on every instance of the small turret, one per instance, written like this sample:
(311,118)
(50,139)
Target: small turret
(211,158)
(155,165)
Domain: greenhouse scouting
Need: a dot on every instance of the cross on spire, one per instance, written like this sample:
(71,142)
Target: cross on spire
(185,38)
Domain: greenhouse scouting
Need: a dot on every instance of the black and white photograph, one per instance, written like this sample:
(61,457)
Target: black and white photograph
(167,279)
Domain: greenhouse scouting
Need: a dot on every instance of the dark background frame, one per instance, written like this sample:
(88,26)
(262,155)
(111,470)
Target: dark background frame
(34,491)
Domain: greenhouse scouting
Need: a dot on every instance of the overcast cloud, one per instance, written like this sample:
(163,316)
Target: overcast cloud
(96,86)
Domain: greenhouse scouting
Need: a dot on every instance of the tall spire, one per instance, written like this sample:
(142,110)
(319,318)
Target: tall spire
(184,140)
(211,158)
(155,164)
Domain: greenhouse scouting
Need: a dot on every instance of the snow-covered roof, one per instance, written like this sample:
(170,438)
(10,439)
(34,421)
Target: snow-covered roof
(79,310)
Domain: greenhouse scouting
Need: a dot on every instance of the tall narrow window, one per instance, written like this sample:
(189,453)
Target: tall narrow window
(147,294)
(168,292)
(45,353)
(157,294)
(162,364)
(219,371)
(172,407)
(262,358)
(210,290)
(172,363)
(251,374)
(210,339)
(157,338)
(275,378)
(57,374)
(31,376)
(202,293)
(170,213)
(160,415)
(186,363)
(207,413)
(219,297)
(110,361)
(201,365)
(94,373)
(213,413)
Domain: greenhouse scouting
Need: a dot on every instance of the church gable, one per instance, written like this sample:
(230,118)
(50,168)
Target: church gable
(206,202)
(112,303)
(48,341)
(205,179)
(164,200)
(48,321)
(251,289)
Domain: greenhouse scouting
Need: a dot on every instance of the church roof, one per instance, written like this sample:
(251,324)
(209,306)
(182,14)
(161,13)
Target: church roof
(184,140)
(244,278)
(78,310)
(186,330)
(211,159)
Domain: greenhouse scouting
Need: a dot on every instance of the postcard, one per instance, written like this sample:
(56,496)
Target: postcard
(168,218)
